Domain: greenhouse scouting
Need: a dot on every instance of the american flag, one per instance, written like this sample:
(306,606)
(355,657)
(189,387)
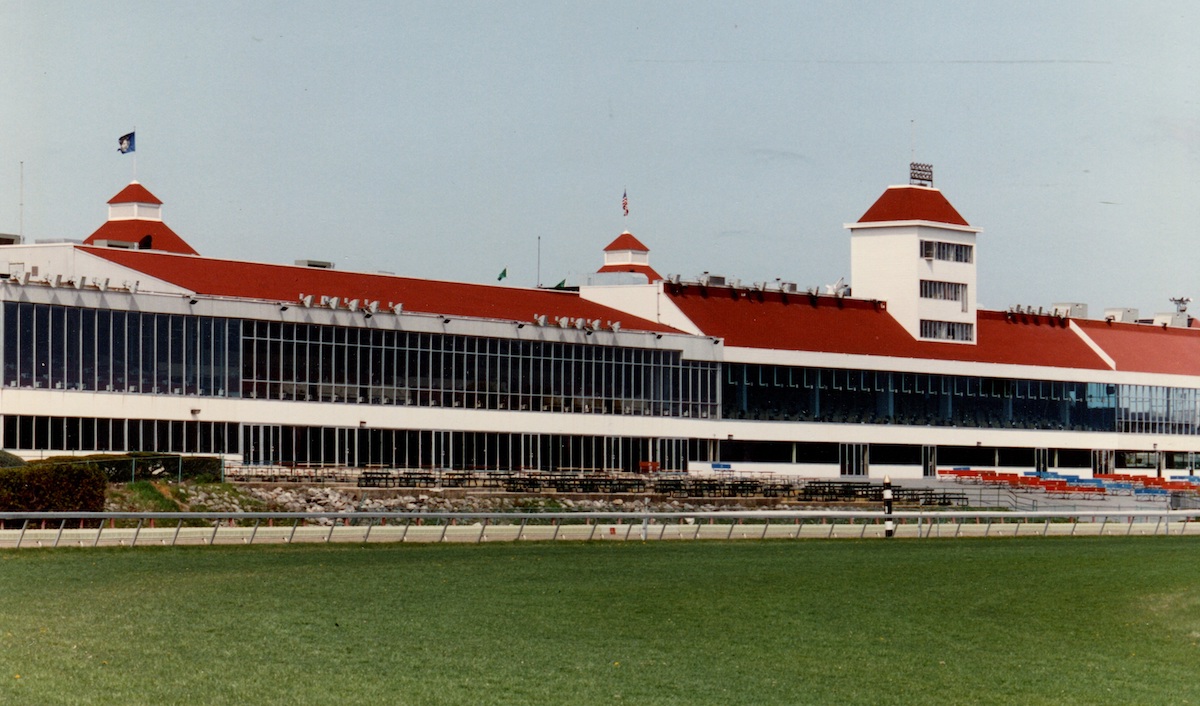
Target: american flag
(625,202)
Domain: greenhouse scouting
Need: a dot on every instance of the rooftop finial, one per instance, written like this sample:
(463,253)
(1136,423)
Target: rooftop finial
(920,174)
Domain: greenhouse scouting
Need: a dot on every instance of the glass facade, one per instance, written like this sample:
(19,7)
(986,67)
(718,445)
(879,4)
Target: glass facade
(36,433)
(885,397)
(463,450)
(336,364)
(54,347)
(57,347)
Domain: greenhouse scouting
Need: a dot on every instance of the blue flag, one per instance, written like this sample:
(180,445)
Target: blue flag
(125,145)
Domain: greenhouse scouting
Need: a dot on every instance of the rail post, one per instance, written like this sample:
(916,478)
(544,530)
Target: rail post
(889,527)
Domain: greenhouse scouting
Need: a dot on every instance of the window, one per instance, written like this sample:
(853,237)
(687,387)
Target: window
(945,291)
(949,252)
(947,330)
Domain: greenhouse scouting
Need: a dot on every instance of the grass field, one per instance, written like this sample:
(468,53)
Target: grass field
(1050,621)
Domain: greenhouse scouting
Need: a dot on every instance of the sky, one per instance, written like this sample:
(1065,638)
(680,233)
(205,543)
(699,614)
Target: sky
(455,140)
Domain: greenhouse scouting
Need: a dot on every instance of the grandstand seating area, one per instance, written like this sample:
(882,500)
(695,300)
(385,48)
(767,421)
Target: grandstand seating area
(1067,485)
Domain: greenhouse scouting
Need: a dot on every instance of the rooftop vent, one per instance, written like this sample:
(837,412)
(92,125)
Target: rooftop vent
(1122,314)
(1172,319)
(118,244)
(1071,310)
(317,264)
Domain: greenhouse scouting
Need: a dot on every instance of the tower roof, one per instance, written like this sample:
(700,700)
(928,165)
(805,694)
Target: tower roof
(626,241)
(913,203)
(135,193)
(628,254)
(138,223)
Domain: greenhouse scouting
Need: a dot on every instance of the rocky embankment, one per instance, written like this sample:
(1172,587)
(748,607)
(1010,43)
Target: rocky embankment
(326,499)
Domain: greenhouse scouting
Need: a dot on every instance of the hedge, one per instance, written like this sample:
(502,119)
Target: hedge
(138,465)
(52,487)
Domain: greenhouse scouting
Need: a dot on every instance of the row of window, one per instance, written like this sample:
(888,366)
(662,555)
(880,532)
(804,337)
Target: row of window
(947,330)
(56,347)
(1153,409)
(499,451)
(944,291)
(950,252)
(464,451)
(853,396)
(306,362)
(43,433)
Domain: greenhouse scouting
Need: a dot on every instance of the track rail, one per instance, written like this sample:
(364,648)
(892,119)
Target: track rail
(129,529)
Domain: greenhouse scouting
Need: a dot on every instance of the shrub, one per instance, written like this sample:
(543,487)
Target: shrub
(144,465)
(201,469)
(51,487)
(10,460)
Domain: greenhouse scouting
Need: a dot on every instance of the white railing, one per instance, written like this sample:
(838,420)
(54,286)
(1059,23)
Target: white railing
(92,529)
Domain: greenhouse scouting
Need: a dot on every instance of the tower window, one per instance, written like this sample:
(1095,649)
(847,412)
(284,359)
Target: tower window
(945,291)
(947,330)
(948,252)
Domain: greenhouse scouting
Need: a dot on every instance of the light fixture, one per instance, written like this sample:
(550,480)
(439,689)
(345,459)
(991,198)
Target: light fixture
(445,319)
(192,300)
(658,336)
(520,325)
(283,307)
(366,315)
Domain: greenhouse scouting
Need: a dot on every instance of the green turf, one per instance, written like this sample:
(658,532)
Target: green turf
(1027,621)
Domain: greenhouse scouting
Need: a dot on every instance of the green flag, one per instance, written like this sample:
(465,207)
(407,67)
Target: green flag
(503,274)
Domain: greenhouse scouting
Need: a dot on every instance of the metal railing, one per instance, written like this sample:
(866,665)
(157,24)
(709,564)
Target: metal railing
(93,529)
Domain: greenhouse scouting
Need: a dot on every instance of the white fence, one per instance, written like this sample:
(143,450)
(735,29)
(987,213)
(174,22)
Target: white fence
(94,529)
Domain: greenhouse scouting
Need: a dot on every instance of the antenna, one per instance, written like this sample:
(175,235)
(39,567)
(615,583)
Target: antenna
(838,288)
(1181,304)
(21,206)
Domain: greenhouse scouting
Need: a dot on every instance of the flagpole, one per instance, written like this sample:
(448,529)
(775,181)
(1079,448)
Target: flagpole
(21,206)
(135,155)
(539,263)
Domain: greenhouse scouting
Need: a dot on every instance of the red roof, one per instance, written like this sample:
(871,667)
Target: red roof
(1147,349)
(285,283)
(913,203)
(135,193)
(137,230)
(647,270)
(626,241)
(773,320)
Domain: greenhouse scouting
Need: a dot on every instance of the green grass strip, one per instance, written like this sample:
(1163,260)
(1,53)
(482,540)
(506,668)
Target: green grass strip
(1025,621)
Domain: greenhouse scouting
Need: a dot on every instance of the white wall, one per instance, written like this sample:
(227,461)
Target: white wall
(646,301)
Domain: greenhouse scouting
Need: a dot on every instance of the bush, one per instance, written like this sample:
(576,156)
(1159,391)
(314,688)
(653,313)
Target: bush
(143,465)
(201,469)
(52,487)
(10,460)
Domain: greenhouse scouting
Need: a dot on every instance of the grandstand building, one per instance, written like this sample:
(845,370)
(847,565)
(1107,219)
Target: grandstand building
(131,340)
